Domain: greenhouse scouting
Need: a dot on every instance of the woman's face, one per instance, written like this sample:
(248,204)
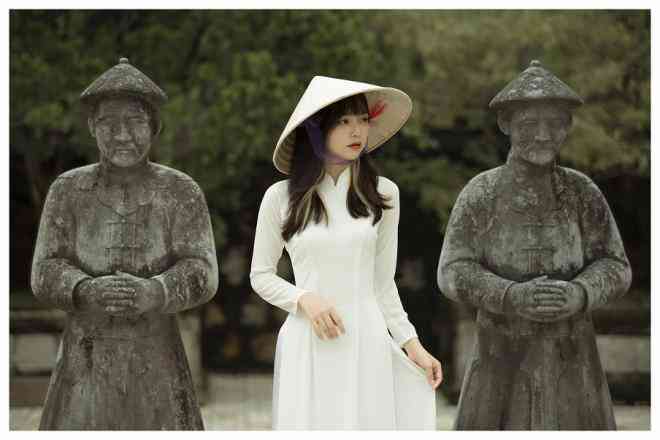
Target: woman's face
(348,137)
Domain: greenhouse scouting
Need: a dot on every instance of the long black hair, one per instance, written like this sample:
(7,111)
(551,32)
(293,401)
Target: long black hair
(307,171)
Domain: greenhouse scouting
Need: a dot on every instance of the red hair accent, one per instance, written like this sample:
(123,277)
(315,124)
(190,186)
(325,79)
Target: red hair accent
(376,109)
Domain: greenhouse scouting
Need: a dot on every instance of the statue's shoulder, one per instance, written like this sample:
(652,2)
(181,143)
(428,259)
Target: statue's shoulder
(167,175)
(574,178)
(483,186)
(578,186)
(177,183)
(82,178)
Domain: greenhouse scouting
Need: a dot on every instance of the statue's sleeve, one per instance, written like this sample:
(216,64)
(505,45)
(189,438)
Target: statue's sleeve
(193,278)
(606,273)
(461,276)
(268,246)
(54,274)
(387,293)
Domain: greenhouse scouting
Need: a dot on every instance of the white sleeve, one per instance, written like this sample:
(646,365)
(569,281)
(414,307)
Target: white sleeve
(386,292)
(268,246)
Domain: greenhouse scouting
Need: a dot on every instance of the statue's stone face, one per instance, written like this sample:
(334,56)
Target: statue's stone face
(122,131)
(538,131)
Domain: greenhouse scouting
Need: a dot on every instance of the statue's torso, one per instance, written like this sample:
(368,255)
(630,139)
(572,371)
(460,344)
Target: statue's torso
(123,228)
(529,234)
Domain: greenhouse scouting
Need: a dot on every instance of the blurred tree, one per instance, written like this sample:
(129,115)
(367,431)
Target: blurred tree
(465,57)
(233,78)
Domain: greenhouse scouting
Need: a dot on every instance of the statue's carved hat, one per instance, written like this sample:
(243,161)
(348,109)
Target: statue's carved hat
(535,83)
(124,80)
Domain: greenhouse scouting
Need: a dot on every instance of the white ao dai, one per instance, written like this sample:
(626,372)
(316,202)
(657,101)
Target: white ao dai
(362,379)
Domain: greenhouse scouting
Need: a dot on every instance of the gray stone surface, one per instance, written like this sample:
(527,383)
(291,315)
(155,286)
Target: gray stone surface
(620,355)
(123,245)
(243,402)
(535,248)
(28,380)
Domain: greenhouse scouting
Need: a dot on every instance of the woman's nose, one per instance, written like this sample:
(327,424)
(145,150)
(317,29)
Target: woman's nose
(355,129)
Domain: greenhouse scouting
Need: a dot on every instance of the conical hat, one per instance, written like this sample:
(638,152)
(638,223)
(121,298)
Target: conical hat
(121,80)
(535,83)
(323,91)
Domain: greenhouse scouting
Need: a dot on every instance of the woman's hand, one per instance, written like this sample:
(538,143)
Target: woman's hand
(423,358)
(325,320)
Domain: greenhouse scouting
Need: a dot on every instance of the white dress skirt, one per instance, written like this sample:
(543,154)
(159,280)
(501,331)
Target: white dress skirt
(362,379)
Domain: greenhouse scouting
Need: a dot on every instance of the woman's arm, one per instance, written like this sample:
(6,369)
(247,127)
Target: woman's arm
(396,319)
(387,294)
(268,246)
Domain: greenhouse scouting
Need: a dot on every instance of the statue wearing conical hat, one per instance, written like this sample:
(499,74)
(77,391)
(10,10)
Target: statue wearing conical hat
(535,248)
(124,244)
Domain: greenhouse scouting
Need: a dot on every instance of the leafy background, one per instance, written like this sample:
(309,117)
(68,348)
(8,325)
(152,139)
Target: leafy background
(233,78)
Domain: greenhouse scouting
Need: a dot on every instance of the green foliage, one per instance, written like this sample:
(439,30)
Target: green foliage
(467,56)
(233,78)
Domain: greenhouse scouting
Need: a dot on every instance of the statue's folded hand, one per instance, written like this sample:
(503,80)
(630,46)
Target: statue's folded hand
(535,300)
(573,297)
(105,294)
(148,294)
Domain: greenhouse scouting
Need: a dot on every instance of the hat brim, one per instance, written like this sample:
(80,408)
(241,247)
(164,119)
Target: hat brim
(396,111)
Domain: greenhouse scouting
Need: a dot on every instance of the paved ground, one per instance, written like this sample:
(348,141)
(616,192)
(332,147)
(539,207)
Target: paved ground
(243,402)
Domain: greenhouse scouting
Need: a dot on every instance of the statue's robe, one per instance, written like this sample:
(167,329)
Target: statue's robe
(525,374)
(124,372)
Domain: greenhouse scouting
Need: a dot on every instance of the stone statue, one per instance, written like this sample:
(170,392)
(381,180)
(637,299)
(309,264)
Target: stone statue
(123,245)
(534,247)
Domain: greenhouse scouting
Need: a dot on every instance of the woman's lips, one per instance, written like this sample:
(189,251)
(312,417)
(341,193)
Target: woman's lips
(355,146)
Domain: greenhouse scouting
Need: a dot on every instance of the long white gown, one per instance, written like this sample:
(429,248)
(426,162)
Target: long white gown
(362,379)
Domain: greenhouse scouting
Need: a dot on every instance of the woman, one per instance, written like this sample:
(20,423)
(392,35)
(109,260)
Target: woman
(336,367)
